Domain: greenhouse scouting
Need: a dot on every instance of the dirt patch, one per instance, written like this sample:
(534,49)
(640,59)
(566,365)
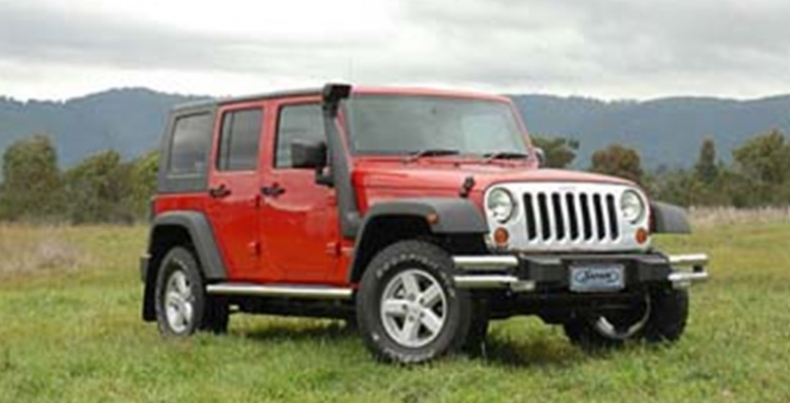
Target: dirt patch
(37,250)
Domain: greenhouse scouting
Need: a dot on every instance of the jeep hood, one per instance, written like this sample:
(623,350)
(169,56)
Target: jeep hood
(450,176)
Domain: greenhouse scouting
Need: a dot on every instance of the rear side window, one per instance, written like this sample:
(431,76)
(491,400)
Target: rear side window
(297,122)
(240,137)
(190,145)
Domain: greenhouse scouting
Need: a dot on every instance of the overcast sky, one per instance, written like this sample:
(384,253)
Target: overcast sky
(612,49)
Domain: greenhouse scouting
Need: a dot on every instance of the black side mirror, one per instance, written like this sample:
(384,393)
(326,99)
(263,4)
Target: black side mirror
(308,154)
(541,155)
(311,154)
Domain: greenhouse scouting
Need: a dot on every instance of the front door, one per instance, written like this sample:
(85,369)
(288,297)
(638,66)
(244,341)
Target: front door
(300,218)
(234,198)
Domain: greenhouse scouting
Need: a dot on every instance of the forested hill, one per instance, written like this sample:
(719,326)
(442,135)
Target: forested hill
(666,131)
(128,120)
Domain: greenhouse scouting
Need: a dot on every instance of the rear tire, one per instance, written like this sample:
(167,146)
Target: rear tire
(408,308)
(181,303)
(662,318)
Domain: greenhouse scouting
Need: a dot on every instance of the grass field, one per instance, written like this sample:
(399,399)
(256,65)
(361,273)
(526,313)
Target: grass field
(70,331)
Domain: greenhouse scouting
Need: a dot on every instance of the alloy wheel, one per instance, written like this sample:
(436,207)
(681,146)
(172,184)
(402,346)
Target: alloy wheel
(413,308)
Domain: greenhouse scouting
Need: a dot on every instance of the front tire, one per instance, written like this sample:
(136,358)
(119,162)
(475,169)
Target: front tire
(670,314)
(182,305)
(660,318)
(478,329)
(408,308)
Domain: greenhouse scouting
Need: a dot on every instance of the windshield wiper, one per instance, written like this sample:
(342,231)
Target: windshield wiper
(431,152)
(504,155)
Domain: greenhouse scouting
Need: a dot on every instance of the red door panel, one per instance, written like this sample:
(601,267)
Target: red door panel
(233,212)
(234,202)
(299,222)
(301,228)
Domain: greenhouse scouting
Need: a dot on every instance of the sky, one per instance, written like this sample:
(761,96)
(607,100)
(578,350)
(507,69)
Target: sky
(610,49)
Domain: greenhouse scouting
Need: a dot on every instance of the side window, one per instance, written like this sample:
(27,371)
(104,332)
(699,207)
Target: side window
(297,122)
(239,139)
(190,144)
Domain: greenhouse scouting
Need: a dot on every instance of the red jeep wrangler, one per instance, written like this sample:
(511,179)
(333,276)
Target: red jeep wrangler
(418,214)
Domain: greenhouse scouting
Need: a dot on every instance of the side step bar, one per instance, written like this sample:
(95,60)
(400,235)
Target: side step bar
(292,291)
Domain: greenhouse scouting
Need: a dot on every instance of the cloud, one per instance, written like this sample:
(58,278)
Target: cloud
(610,48)
(44,35)
(615,41)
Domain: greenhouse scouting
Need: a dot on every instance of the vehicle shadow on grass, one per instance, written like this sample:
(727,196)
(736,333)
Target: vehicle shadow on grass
(296,331)
(532,352)
(498,350)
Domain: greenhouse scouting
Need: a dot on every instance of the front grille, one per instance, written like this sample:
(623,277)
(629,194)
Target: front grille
(571,216)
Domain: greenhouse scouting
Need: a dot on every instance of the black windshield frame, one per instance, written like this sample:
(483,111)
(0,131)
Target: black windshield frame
(514,140)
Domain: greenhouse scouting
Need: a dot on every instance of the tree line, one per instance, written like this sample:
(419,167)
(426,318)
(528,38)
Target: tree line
(104,188)
(758,176)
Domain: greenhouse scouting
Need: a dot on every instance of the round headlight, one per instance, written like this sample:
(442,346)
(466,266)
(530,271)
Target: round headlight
(632,206)
(500,204)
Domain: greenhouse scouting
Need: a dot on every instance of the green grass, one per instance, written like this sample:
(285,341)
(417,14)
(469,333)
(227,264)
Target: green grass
(75,335)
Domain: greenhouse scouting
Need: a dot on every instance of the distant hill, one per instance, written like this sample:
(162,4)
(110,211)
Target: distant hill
(128,120)
(666,131)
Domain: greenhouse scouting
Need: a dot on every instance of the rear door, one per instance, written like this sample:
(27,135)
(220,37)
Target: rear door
(300,217)
(234,198)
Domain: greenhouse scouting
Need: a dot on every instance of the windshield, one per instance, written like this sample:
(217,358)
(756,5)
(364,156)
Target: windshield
(400,125)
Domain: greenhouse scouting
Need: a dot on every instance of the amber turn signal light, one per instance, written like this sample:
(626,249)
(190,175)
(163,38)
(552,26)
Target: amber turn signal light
(641,235)
(501,237)
(432,218)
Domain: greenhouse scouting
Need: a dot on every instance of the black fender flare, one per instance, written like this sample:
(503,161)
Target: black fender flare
(454,215)
(669,219)
(201,235)
(204,244)
(444,216)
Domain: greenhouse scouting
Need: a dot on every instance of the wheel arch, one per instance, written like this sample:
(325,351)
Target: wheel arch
(452,222)
(180,228)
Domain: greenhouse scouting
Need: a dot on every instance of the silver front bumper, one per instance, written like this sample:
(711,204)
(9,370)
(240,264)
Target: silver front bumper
(684,279)
(501,272)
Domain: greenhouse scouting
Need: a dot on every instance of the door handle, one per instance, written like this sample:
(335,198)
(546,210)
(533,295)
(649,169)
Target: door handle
(272,191)
(219,192)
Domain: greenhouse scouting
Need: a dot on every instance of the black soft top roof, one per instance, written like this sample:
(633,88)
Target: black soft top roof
(214,102)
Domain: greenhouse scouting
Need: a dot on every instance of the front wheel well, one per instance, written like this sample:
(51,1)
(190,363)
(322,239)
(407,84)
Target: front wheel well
(384,231)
